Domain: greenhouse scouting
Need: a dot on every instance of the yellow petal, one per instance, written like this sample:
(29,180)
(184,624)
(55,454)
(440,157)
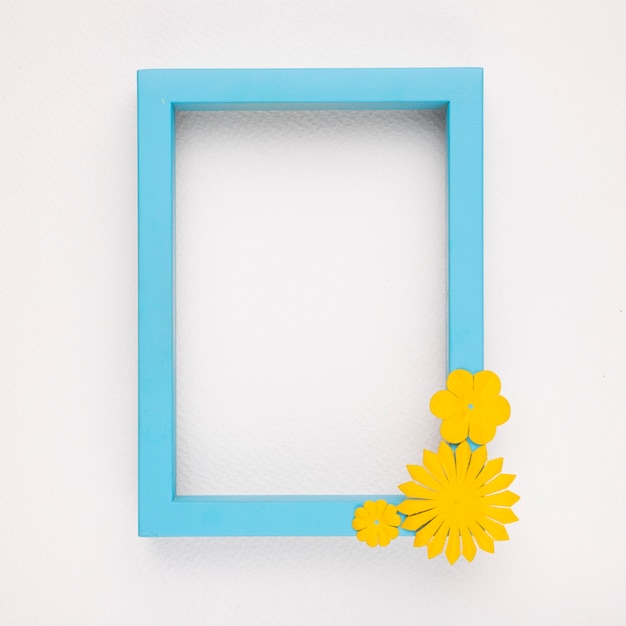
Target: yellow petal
(497,410)
(446,458)
(486,385)
(369,536)
(391,531)
(412,507)
(433,465)
(500,482)
(495,529)
(445,404)
(501,410)
(423,536)
(390,517)
(419,474)
(415,522)
(370,507)
(386,534)
(453,549)
(462,457)
(360,523)
(460,383)
(504,498)
(484,541)
(469,547)
(477,462)
(381,505)
(481,429)
(456,428)
(492,468)
(435,545)
(413,490)
(383,538)
(361,512)
(504,515)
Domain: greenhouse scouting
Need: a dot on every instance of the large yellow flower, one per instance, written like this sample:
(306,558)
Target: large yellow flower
(470,406)
(458,498)
(376,523)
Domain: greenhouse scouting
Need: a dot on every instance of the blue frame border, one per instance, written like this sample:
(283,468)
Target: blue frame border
(160,94)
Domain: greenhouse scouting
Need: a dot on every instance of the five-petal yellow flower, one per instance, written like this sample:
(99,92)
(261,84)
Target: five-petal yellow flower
(458,498)
(376,523)
(470,406)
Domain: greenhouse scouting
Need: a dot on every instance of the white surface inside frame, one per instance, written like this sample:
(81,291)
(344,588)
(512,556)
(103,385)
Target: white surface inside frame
(310,298)
(555,317)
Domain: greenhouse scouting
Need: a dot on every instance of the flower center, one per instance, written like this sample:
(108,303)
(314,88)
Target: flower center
(470,406)
(457,499)
(375,522)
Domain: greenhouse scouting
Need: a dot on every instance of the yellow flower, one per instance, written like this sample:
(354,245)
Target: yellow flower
(458,498)
(376,523)
(470,406)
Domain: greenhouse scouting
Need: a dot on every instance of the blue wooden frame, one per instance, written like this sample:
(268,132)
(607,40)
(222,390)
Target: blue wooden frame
(160,94)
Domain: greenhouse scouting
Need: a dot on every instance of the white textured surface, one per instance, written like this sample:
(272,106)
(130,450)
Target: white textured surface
(555,306)
(311,298)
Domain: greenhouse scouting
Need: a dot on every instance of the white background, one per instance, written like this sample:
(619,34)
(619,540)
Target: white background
(555,315)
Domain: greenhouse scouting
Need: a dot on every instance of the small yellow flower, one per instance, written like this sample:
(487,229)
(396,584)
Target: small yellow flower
(376,523)
(458,498)
(470,406)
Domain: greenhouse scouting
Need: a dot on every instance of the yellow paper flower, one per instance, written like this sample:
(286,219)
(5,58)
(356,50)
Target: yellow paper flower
(458,498)
(470,406)
(376,523)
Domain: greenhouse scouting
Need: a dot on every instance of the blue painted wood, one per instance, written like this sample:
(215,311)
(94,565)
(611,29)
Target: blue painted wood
(160,93)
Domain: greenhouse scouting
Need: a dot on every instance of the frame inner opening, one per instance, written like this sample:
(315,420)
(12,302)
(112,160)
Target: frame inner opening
(311,281)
